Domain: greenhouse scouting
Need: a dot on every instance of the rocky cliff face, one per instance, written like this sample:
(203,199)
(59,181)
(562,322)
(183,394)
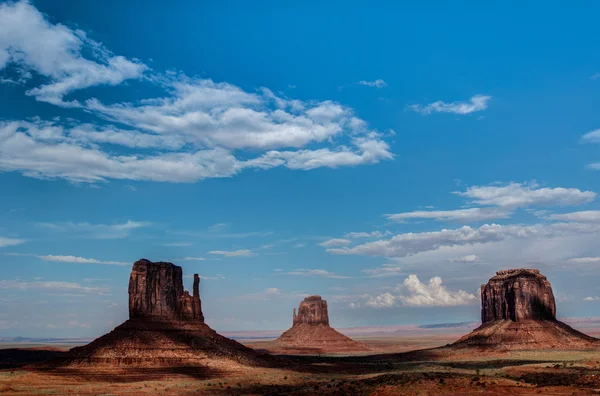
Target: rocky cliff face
(156,291)
(517,295)
(312,311)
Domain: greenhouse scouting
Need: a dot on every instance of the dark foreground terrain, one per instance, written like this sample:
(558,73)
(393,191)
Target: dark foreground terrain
(433,371)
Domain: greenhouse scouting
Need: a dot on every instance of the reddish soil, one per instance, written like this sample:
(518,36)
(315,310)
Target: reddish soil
(313,339)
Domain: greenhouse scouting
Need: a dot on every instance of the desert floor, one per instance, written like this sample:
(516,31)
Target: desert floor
(389,370)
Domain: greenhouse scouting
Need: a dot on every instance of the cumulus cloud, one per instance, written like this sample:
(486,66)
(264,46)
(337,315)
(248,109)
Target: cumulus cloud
(32,44)
(595,298)
(377,83)
(10,241)
(335,242)
(433,293)
(233,253)
(476,103)
(198,129)
(413,292)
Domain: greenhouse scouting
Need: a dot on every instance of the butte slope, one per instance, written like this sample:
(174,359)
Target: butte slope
(518,312)
(311,334)
(165,329)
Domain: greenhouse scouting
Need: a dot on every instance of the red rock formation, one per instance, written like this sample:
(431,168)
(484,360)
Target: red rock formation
(166,329)
(311,334)
(517,294)
(156,291)
(518,312)
(312,311)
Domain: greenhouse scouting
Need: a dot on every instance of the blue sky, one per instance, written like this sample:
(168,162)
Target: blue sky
(390,157)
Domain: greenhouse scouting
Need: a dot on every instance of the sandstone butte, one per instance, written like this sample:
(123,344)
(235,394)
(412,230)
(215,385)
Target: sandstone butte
(165,329)
(518,312)
(311,333)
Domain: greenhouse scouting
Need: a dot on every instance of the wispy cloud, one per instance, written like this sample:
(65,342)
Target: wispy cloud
(471,258)
(178,244)
(476,103)
(190,259)
(376,83)
(52,286)
(233,253)
(10,241)
(69,259)
(463,215)
(316,272)
(97,231)
(335,242)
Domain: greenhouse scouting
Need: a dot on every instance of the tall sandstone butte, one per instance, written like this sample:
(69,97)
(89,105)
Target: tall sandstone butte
(311,333)
(165,329)
(518,312)
(517,294)
(312,311)
(156,291)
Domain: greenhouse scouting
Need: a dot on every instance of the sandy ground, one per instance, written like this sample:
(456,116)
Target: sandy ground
(386,371)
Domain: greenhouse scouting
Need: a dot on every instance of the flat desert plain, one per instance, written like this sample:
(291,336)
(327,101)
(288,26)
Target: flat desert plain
(399,363)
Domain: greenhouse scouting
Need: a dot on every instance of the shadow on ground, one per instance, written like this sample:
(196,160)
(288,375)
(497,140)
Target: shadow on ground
(18,357)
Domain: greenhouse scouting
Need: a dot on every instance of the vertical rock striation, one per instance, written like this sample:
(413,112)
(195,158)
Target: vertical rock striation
(518,312)
(517,295)
(312,311)
(165,330)
(310,332)
(156,291)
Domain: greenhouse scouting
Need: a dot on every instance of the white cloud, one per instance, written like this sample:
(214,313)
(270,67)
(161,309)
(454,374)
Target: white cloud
(591,137)
(476,103)
(79,260)
(463,215)
(377,83)
(191,259)
(373,234)
(52,286)
(335,242)
(68,259)
(433,293)
(585,260)
(195,130)
(412,292)
(233,253)
(97,231)
(586,216)
(385,300)
(316,272)
(515,195)
(500,201)
(402,245)
(31,43)
(595,298)
(471,258)
(178,244)
(10,241)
